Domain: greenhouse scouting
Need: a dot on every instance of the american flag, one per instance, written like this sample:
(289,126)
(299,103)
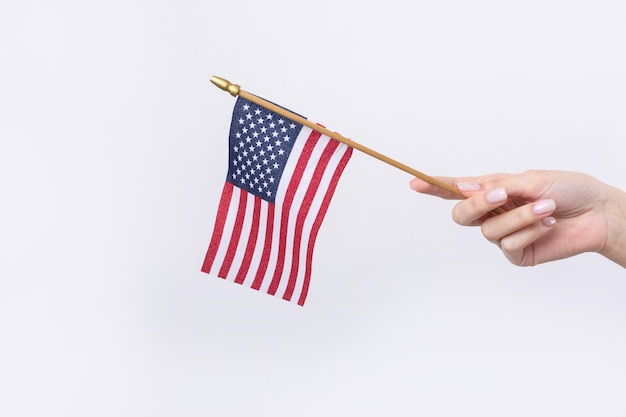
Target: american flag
(281,178)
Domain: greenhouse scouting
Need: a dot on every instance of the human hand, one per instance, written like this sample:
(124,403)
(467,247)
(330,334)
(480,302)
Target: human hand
(549,215)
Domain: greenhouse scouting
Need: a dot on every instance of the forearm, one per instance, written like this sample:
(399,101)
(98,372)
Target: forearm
(615,246)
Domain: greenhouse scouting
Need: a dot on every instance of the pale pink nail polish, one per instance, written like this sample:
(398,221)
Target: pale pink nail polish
(549,221)
(544,206)
(467,186)
(496,196)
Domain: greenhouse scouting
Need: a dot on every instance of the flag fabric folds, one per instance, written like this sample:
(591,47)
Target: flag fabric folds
(281,178)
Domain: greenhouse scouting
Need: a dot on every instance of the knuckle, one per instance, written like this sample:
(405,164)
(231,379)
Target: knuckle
(533,176)
(489,232)
(514,259)
(477,205)
(523,216)
(457,215)
(509,246)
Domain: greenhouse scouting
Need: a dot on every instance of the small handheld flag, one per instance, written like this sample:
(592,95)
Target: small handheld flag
(281,178)
(282,172)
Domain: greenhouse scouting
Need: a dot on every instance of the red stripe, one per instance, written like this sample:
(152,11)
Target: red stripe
(267,248)
(234,239)
(303,213)
(218,230)
(311,141)
(254,231)
(318,222)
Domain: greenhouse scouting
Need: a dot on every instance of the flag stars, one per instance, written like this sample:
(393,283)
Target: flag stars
(260,144)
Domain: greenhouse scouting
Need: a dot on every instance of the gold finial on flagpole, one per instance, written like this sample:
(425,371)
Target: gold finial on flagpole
(226,85)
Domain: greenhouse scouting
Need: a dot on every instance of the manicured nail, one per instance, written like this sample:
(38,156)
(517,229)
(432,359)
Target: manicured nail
(467,186)
(496,196)
(544,206)
(549,221)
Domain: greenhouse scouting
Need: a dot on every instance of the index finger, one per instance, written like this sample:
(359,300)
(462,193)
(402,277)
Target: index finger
(466,185)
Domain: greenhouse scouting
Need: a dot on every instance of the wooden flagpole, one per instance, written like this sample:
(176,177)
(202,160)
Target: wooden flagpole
(235,90)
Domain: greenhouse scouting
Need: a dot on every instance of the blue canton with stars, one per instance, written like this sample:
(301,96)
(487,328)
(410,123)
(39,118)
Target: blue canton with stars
(260,143)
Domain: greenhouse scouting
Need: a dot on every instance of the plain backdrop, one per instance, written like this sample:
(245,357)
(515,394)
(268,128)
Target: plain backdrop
(112,158)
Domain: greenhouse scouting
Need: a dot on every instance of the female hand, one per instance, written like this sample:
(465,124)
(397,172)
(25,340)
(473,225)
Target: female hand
(549,215)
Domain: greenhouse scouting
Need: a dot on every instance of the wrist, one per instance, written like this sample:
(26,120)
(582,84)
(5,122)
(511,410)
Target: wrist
(615,215)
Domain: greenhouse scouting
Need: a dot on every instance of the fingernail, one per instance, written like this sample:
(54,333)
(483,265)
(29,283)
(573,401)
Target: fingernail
(496,196)
(467,186)
(549,221)
(544,206)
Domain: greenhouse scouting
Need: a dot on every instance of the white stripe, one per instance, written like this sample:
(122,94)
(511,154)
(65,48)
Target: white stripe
(315,208)
(303,186)
(258,248)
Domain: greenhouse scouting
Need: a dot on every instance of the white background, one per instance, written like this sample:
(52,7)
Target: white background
(113,155)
